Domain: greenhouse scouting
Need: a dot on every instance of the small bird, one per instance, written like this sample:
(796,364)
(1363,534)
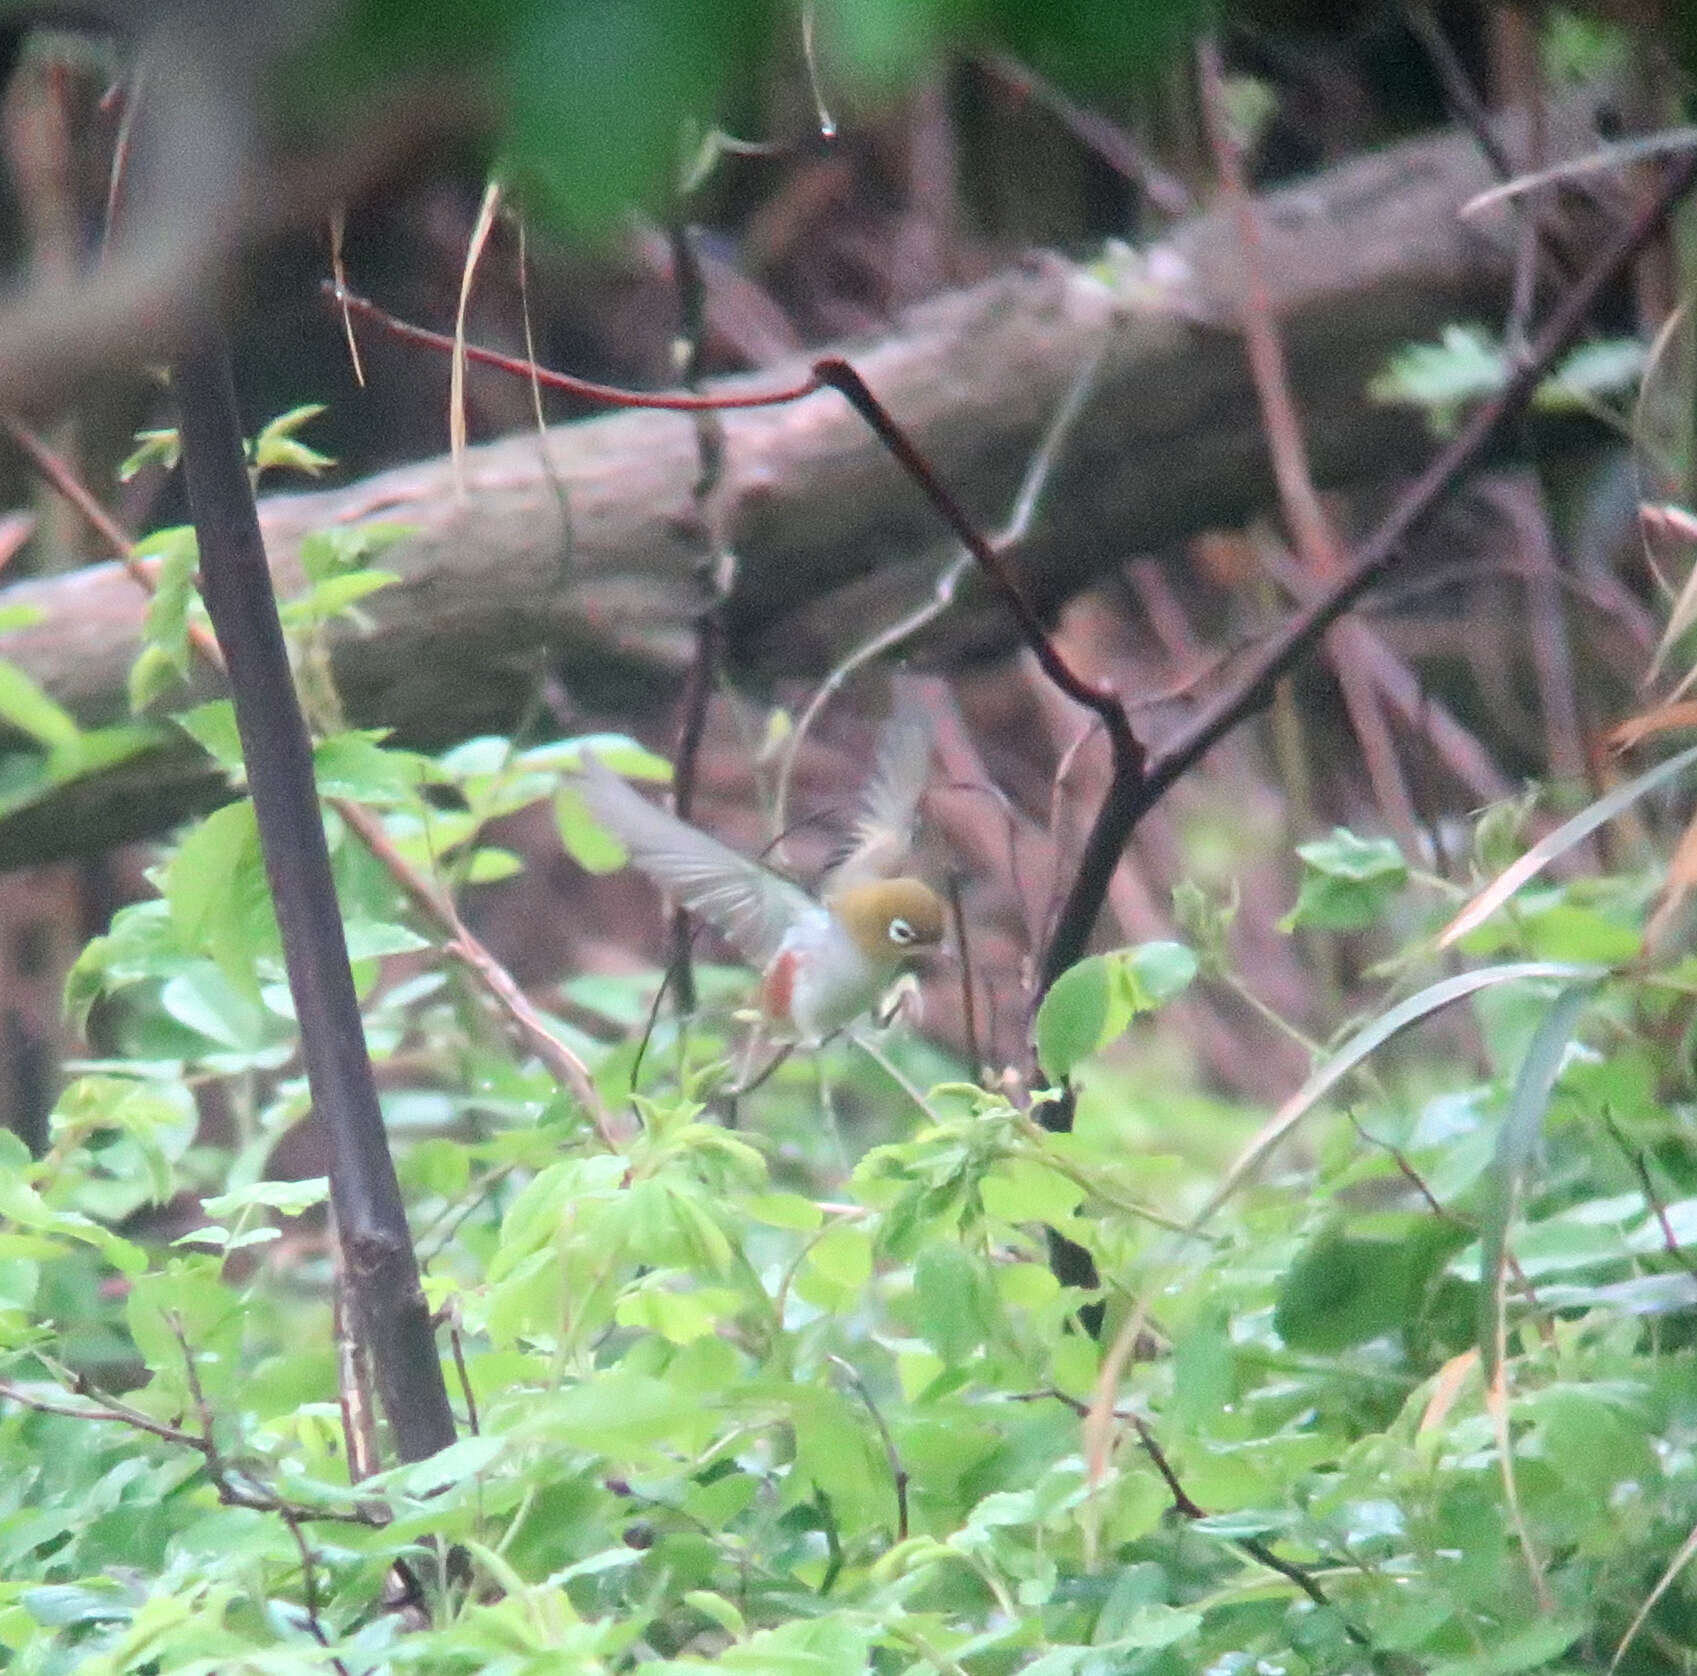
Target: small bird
(823,962)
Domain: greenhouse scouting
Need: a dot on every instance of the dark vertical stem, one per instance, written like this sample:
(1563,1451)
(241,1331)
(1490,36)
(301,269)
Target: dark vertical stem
(382,1273)
(717,572)
(968,993)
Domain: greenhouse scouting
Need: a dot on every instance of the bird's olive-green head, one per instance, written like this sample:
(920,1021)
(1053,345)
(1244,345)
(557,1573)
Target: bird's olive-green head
(890,919)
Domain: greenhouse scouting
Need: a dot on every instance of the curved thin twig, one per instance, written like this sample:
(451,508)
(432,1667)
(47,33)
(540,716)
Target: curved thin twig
(607,395)
(898,633)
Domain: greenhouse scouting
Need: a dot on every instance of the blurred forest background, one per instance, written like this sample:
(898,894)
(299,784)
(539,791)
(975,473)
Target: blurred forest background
(1314,386)
(986,218)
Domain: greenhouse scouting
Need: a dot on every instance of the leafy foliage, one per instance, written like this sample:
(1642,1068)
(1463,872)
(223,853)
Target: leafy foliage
(1469,364)
(805,1395)
(605,103)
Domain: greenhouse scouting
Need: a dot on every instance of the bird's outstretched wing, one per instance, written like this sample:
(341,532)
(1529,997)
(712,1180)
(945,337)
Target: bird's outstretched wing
(883,831)
(750,905)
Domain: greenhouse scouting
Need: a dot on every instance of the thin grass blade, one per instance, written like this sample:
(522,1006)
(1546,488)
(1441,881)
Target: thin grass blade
(1565,836)
(1434,998)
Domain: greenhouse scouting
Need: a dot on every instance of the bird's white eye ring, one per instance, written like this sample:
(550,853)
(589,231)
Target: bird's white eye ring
(901,931)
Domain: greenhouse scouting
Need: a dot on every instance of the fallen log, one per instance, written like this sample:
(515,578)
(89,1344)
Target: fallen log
(577,553)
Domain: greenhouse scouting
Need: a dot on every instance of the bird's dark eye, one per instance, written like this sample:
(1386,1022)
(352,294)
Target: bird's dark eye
(901,931)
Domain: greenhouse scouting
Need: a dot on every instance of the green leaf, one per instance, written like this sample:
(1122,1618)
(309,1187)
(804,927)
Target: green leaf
(97,749)
(212,726)
(1204,1368)
(154,673)
(1023,1190)
(956,1309)
(615,751)
(843,1254)
(1603,367)
(490,864)
(1156,973)
(602,96)
(333,596)
(329,553)
(203,999)
(784,1210)
(1085,1009)
(288,1198)
(162,448)
(23,1206)
(370,939)
(216,890)
(680,1317)
(59,1605)
(1347,882)
(1532,1647)
(1464,367)
(1157,1625)
(278,448)
(587,842)
(1515,1146)
(175,554)
(24,706)
(1346,1289)
(1469,364)
(358,766)
(1091,1003)
(721,1611)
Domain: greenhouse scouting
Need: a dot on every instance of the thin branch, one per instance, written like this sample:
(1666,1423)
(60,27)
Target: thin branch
(1311,529)
(495,979)
(1497,1405)
(1398,685)
(309,1588)
(1380,552)
(1108,140)
(255,1498)
(898,1472)
(1186,1506)
(1405,1168)
(103,1409)
(1407,1171)
(1464,103)
(1123,800)
(456,1343)
(1469,110)
(1038,471)
(607,395)
(475,246)
(338,270)
(1640,1168)
(759,1079)
(1618,154)
(70,488)
(837,373)
(1518,41)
